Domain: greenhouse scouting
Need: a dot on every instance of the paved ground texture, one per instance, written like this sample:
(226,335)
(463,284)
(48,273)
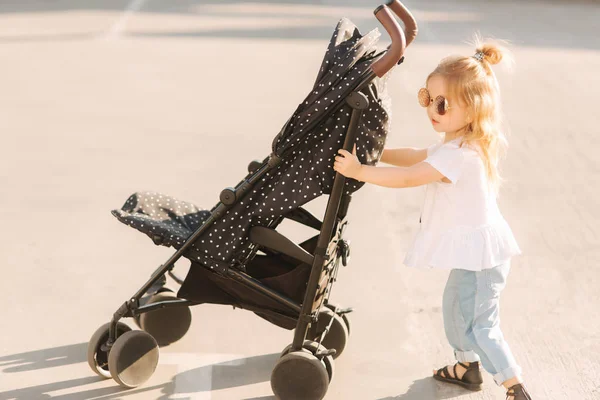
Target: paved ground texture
(100,99)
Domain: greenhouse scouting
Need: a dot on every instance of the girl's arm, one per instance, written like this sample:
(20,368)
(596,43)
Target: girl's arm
(398,177)
(403,156)
(394,177)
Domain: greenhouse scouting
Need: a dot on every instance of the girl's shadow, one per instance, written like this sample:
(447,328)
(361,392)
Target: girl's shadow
(429,388)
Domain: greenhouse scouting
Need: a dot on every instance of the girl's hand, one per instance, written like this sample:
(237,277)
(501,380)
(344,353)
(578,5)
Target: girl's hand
(347,164)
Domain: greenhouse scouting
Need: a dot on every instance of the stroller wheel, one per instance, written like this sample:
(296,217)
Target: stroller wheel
(133,358)
(345,317)
(98,358)
(145,299)
(315,347)
(299,376)
(166,325)
(336,338)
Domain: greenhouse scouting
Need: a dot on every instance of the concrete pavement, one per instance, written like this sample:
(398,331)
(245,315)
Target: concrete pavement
(104,98)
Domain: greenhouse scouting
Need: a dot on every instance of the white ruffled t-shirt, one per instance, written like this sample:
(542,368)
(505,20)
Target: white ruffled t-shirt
(461,225)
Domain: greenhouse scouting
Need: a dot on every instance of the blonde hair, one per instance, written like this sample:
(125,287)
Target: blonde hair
(471,81)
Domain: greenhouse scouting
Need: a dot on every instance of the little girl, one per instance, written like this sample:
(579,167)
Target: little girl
(461,227)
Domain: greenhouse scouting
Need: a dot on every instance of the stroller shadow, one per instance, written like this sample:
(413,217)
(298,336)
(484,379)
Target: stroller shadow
(41,391)
(46,358)
(429,388)
(229,374)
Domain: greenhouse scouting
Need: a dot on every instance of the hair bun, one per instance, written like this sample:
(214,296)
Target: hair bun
(492,53)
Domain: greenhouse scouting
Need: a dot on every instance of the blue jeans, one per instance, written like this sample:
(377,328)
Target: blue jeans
(471,309)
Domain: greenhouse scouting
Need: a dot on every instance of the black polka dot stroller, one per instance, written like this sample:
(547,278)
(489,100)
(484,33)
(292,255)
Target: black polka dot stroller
(238,257)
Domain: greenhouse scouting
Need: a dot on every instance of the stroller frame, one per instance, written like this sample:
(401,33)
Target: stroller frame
(336,210)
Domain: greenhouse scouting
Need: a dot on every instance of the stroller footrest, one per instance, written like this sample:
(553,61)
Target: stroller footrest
(274,240)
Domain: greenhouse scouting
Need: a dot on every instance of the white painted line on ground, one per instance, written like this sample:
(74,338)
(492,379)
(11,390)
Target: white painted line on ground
(119,26)
(198,385)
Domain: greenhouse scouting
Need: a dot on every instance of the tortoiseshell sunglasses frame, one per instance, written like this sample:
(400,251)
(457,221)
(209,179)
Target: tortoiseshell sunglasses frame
(425,100)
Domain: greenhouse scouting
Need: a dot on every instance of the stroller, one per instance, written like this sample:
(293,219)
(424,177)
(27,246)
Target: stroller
(238,257)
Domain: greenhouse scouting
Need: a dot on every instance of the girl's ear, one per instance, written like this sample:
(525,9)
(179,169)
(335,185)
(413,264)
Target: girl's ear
(469,119)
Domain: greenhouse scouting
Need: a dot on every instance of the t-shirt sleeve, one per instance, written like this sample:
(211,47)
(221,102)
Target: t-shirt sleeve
(448,160)
(432,148)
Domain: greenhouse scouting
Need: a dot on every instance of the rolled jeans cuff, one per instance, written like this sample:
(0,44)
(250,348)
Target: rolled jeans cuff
(507,374)
(466,356)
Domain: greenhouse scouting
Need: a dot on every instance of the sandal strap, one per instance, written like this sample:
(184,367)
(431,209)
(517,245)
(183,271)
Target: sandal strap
(455,374)
(442,372)
(446,372)
(512,391)
(471,365)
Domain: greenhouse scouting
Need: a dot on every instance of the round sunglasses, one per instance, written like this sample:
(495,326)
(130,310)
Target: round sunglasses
(440,102)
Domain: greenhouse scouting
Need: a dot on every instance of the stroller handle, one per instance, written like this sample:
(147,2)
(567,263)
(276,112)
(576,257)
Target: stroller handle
(410,24)
(399,40)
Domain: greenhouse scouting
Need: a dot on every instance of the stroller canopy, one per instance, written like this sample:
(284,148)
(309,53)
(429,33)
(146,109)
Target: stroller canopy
(306,169)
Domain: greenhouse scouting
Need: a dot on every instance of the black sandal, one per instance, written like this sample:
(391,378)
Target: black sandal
(517,392)
(471,379)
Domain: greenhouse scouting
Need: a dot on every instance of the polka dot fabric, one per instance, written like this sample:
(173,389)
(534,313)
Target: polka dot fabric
(305,172)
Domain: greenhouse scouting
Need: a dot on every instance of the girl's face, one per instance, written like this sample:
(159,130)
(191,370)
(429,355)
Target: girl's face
(456,116)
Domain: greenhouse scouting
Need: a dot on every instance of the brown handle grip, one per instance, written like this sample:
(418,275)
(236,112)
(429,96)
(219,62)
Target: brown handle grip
(396,49)
(410,24)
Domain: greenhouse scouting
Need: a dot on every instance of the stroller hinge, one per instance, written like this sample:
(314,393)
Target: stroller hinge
(309,318)
(274,160)
(126,309)
(159,270)
(324,353)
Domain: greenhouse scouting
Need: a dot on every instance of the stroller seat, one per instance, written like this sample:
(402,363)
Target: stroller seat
(169,222)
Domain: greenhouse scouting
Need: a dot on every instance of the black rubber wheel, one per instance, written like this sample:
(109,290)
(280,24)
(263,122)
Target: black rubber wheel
(314,347)
(299,376)
(336,338)
(133,358)
(345,317)
(166,325)
(96,357)
(144,300)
